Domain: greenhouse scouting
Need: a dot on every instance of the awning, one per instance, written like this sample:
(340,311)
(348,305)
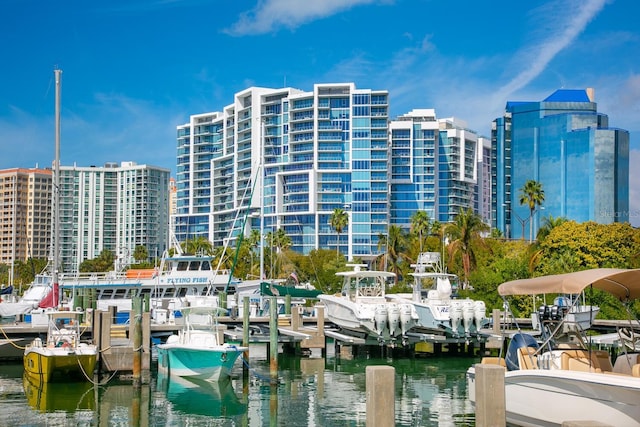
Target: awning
(624,284)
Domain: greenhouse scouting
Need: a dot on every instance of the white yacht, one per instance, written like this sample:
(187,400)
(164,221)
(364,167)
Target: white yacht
(362,307)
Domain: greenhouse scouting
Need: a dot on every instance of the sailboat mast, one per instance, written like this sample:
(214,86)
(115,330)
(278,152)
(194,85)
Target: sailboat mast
(56,192)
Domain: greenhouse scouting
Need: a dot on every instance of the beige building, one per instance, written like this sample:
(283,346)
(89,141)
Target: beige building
(25,214)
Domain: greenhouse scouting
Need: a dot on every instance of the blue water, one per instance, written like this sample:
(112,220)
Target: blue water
(311,391)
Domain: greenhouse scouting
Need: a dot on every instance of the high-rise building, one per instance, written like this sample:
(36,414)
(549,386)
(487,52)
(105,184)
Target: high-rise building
(114,207)
(286,159)
(566,145)
(25,214)
(436,166)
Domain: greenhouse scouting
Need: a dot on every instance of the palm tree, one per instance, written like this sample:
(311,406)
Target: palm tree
(395,243)
(420,226)
(531,194)
(464,232)
(197,245)
(338,220)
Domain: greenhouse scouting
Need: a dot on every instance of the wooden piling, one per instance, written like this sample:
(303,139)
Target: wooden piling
(490,396)
(137,340)
(273,338)
(380,391)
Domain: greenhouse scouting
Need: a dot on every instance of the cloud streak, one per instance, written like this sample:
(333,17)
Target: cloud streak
(562,33)
(269,15)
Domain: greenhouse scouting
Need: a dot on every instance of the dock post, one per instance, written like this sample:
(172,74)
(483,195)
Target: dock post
(245,341)
(137,340)
(495,315)
(287,304)
(273,339)
(222,299)
(490,396)
(380,391)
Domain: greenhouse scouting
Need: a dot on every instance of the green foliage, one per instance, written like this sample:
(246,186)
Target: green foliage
(104,262)
(140,253)
(573,246)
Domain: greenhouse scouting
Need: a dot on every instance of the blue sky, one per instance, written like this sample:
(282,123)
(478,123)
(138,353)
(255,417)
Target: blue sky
(135,69)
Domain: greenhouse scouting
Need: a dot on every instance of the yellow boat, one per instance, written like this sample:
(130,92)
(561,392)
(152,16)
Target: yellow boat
(63,356)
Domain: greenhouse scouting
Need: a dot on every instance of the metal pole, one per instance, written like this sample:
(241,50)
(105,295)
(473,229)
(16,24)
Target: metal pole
(56,192)
(262,176)
(273,339)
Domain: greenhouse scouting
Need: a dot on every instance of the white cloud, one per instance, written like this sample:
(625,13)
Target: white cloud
(562,27)
(269,15)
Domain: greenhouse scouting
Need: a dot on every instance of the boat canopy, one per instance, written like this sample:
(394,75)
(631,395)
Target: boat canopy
(624,284)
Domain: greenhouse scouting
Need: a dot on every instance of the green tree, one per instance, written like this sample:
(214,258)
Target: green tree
(140,254)
(395,250)
(104,262)
(420,226)
(338,220)
(464,232)
(531,194)
(198,245)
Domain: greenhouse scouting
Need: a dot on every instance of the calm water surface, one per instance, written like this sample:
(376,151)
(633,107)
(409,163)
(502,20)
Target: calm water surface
(311,392)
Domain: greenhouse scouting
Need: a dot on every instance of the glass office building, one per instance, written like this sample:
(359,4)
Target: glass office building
(564,143)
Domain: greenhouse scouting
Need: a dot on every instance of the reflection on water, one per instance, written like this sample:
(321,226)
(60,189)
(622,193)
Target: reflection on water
(310,392)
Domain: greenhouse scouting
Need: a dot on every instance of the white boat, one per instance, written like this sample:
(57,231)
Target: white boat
(439,313)
(63,355)
(362,307)
(179,278)
(561,378)
(37,292)
(198,351)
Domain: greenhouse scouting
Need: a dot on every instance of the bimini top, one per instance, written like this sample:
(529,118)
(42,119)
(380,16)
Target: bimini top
(624,284)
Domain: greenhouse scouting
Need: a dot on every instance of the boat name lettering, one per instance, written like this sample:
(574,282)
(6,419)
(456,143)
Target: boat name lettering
(182,280)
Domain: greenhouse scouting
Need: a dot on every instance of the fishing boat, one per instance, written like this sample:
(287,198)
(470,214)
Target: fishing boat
(362,308)
(62,356)
(198,351)
(438,312)
(559,376)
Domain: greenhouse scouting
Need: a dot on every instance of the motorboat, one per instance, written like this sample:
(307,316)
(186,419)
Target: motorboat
(63,355)
(38,290)
(559,377)
(432,299)
(362,307)
(198,351)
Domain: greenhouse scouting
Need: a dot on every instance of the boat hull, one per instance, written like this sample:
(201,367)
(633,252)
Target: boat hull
(551,397)
(58,364)
(210,364)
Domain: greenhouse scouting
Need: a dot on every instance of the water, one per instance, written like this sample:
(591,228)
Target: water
(310,392)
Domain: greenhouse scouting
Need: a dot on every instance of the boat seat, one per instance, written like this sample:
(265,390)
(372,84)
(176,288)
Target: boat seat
(604,359)
(625,362)
(580,360)
(527,358)
(493,361)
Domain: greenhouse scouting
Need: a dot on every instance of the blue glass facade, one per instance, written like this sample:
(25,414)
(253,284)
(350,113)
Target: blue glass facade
(567,146)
